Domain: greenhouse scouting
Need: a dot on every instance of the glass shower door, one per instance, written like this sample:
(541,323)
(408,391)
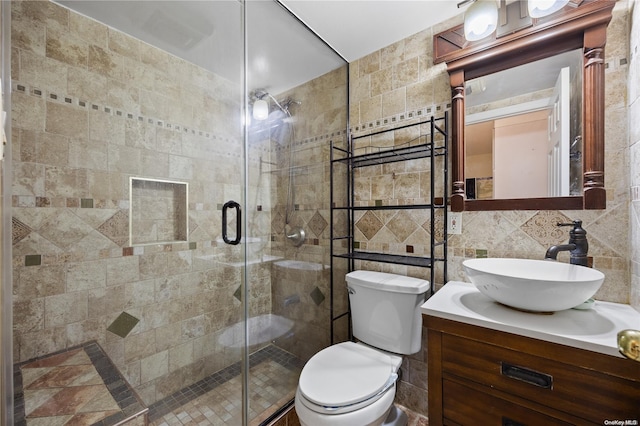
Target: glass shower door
(296,104)
(129,140)
(171,194)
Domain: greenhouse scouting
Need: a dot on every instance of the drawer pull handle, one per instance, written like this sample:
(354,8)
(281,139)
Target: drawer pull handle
(508,422)
(528,376)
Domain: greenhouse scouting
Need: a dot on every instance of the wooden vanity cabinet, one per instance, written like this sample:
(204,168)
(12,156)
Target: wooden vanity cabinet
(479,376)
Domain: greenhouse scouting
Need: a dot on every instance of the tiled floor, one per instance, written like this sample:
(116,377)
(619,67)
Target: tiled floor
(415,419)
(79,386)
(217,400)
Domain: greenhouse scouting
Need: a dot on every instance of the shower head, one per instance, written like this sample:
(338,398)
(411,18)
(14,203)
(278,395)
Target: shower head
(260,93)
(286,103)
(283,105)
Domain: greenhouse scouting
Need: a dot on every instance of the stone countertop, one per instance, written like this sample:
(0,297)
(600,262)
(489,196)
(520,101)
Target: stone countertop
(593,329)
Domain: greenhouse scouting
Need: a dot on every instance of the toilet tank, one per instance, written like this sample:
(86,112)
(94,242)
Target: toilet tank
(385,310)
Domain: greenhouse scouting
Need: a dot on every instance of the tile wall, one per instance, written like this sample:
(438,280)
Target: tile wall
(400,79)
(301,279)
(634,148)
(93,107)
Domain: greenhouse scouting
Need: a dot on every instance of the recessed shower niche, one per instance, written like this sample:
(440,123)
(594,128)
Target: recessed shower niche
(159,211)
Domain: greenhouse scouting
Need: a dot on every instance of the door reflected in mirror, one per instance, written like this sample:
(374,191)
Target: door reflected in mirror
(523,130)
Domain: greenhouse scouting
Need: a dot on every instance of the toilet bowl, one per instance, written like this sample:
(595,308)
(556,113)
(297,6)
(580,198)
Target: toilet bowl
(354,384)
(348,384)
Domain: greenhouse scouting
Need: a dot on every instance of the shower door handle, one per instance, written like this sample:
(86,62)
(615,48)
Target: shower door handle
(231,204)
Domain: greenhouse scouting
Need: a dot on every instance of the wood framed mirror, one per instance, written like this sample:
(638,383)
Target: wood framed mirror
(582,26)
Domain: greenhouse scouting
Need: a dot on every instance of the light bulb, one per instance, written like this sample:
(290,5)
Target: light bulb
(480,20)
(540,8)
(260,109)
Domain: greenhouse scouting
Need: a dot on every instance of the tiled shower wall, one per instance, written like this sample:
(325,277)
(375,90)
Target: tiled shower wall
(401,78)
(634,145)
(301,280)
(91,108)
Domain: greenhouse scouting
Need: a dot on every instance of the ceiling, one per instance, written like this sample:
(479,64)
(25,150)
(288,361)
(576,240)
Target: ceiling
(280,55)
(355,28)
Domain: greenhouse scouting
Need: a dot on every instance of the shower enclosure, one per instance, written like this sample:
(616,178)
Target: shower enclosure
(170,201)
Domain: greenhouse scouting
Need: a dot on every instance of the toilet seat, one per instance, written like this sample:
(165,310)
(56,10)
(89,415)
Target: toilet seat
(346,377)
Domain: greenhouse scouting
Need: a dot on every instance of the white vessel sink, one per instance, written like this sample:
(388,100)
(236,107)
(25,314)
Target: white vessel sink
(533,285)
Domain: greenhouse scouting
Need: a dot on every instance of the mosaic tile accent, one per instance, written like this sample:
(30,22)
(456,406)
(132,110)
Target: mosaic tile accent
(116,228)
(317,296)
(369,225)
(32,260)
(277,221)
(238,293)
(76,386)
(543,228)
(439,226)
(123,324)
(43,202)
(86,203)
(19,231)
(317,224)
(407,116)
(402,225)
(481,253)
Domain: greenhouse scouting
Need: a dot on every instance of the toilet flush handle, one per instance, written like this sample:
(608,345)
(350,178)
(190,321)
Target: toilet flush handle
(350,290)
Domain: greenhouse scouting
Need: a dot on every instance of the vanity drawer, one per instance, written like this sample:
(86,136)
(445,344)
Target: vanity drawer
(581,392)
(466,406)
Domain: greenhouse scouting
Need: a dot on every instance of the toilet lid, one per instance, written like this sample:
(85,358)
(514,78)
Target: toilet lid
(345,374)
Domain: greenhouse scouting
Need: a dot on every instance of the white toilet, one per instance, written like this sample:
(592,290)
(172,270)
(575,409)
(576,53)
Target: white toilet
(354,384)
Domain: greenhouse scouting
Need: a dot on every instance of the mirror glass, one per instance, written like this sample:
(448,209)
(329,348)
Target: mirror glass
(523,130)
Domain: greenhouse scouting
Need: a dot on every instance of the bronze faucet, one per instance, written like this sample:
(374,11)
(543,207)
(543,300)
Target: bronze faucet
(578,245)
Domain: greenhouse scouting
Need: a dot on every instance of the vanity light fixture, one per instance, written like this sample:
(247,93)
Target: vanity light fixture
(541,8)
(480,20)
(260,109)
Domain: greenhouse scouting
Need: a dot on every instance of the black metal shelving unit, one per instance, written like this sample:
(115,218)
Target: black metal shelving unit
(429,145)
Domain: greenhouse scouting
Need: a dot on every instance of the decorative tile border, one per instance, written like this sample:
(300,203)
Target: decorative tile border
(106,109)
(21,231)
(612,64)
(404,118)
(337,134)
